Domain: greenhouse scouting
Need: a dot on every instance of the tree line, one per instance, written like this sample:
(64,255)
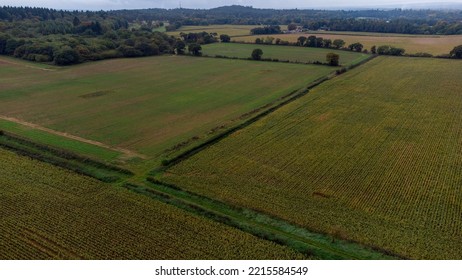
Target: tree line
(72,49)
(389,21)
(70,37)
(319,42)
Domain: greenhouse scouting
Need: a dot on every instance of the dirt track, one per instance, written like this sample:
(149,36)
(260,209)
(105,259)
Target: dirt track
(127,153)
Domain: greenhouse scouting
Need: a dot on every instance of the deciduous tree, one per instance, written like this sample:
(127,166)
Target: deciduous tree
(357,47)
(338,43)
(66,56)
(225,38)
(257,54)
(301,40)
(291,26)
(333,59)
(180,47)
(195,49)
(456,52)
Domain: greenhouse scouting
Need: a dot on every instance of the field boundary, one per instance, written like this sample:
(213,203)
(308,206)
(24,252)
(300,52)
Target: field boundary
(127,153)
(167,163)
(258,224)
(274,60)
(291,45)
(63,158)
(26,64)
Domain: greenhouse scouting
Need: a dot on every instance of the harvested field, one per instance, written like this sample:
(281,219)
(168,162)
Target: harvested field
(231,30)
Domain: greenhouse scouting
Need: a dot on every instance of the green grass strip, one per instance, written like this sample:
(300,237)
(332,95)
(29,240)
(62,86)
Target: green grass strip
(62,158)
(259,224)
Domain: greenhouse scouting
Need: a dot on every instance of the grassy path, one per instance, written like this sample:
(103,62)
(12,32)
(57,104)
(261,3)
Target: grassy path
(127,153)
(259,224)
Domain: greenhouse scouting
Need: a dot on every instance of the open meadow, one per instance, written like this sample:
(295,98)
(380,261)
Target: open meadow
(292,54)
(146,105)
(433,44)
(50,213)
(372,156)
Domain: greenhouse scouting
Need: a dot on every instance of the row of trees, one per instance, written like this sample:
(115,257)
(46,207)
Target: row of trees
(312,42)
(332,59)
(200,38)
(319,42)
(387,50)
(270,29)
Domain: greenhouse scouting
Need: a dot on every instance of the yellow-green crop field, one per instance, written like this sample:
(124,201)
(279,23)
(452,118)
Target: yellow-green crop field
(50,213)
(373,155)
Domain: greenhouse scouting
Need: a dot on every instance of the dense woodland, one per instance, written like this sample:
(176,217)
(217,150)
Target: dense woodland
(69,37)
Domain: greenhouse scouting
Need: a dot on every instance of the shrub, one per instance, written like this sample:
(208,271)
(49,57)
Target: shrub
(128,51)
(332,59)
(456,52)
(420,54)
(341,71)
(389,50)
(66,56)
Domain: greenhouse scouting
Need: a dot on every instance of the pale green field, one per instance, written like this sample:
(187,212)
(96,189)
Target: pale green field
(146,104)
(293,54)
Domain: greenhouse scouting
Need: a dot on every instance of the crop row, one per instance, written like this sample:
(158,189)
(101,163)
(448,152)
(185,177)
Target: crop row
(51,213)
(373,156)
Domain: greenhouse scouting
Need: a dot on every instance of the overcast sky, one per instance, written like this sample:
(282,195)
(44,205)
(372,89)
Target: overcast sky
(136,4)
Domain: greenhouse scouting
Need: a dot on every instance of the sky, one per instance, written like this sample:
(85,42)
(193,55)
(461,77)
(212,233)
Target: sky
(169,4)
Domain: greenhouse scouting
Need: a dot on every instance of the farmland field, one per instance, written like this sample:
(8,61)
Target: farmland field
(293,54)
(50,213)
(45,138)
(231,30)
(146,104)
(433,44)
(373,155)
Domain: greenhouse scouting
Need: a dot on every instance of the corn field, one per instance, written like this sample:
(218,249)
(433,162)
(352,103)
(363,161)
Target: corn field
(374,155)
(50,213)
